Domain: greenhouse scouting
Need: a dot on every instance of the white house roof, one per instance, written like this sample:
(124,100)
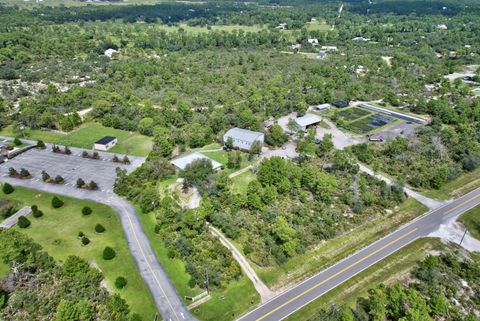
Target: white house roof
(243,134)
(307,120)
(109,52)
(182,162)
(322,106)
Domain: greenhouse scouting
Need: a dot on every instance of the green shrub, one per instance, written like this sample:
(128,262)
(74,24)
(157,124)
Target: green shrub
(108,253)
(56,202)
(85,240)
(17,141)
(99,228)
(23,222)
(86,210)
(120,282)
(81,234)
(7,188)
(37,213)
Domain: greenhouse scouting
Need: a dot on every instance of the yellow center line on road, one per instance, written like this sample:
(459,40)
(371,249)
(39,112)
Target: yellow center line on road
(336,274)
(465,202)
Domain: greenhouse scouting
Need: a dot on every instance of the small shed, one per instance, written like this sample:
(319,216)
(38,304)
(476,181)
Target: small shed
(182,162)
(105,143)
(109,52)
(322,107)
(307,121)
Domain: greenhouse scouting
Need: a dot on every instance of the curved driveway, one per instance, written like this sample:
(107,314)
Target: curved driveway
(166,297)
(302,294)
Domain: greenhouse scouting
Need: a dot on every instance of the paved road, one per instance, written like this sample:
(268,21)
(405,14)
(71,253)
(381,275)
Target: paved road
(292,300)
(166,298)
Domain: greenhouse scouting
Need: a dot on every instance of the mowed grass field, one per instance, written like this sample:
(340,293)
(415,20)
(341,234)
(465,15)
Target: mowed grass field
(471,220)
(130,143)
(388,271)
(57,232)
(330,251)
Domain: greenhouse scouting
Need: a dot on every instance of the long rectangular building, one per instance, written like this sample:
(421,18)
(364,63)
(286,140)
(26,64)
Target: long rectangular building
(243,138)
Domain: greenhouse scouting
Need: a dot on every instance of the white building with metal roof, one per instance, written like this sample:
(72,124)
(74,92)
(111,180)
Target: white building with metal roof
(308,120)
(243,138)
(182,162)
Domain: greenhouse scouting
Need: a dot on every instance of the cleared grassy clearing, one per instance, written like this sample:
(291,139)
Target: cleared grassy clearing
(390,270)
(84,137)
(471,220)
(4,269)
(458,187)
(230,303)
(199,29)
(57,232)
(331,251)
(240,182)
(221,156)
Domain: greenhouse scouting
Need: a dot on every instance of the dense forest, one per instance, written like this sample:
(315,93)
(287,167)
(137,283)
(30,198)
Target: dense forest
(38,288)
(441,287)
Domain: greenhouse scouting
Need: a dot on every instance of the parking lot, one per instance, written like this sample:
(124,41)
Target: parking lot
(70,167)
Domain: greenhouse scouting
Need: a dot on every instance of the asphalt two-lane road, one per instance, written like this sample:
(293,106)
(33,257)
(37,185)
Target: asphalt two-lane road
(300,295)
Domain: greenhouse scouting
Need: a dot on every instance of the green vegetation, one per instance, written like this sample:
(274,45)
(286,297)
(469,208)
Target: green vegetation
(460,186)
(68,291)
(331,251)
(85,136)
(63,225)
(438,287)
(388,271)
(471,220)
(240,182)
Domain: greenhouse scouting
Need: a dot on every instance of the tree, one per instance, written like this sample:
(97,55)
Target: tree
(256,148)
(86,210)
(80,183)
(36,212)
(229,142)
(24,173)
(164,147)
(17,141)
(7,188)
(108,253)
(197,173)
(23,222)
(95,155)
(59,179)
(126,160)
(56,202)
(45,176)
(115,159)
(92,185)
(326,145)
(120,282)
(276,136)
(12,172)
(234,159)
(85,154)
(99,228)
(41,145)
(85,240)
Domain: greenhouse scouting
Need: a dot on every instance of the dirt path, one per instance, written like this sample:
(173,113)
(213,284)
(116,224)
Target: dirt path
(265,293)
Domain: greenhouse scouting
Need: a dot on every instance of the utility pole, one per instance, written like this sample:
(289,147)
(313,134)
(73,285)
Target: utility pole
(464,233)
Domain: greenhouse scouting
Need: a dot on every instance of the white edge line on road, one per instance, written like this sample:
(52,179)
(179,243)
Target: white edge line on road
(355,253)
(148,263)
(340,283)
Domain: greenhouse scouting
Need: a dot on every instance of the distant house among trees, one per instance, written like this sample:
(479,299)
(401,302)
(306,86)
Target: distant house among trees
(182,162)
(361,39)
(105,143)
(313,41)
(242,138)
(110,52)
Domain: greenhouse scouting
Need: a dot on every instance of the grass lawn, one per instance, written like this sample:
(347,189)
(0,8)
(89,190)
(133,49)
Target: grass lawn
(199,29)
(240,182)
(84,137)
(471,220)
(4,269)
(230,303)
(388,271)
(331,251)
(221,156)
(458,187)
(57,232)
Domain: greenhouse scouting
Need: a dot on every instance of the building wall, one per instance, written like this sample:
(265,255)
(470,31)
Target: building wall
(243,144)
(105,147)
